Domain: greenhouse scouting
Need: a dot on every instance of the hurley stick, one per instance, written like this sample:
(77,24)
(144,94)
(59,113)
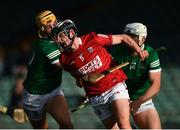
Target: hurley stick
(98,76)
(82,105)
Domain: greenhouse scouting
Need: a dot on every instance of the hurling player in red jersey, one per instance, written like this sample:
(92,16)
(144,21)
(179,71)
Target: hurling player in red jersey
(85,55)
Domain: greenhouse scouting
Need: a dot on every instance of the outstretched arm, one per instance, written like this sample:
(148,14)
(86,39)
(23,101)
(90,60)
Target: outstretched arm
(123,38)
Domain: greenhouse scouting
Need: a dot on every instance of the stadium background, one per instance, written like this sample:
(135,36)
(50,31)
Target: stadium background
(162,18)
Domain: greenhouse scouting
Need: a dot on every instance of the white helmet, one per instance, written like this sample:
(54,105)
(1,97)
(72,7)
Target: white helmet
(137,29)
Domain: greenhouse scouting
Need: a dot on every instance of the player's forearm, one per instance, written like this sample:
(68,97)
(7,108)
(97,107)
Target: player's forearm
(131,43)
(123,38)
(151,92)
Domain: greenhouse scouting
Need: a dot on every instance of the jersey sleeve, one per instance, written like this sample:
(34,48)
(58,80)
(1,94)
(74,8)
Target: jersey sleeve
(104,40)
(154,62)
(51,51)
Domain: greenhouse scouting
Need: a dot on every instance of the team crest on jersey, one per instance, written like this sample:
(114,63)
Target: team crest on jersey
(90,49)
(132,66)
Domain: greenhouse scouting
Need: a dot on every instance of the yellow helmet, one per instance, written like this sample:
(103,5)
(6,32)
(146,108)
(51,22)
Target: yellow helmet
(44,18)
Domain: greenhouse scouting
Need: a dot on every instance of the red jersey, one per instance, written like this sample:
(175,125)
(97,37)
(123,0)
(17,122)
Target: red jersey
(92,57)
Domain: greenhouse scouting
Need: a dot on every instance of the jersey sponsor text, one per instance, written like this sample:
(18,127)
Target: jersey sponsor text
(91,66)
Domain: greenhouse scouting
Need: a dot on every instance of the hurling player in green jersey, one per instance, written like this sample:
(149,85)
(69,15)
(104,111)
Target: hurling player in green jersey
(42,91)
(144,77)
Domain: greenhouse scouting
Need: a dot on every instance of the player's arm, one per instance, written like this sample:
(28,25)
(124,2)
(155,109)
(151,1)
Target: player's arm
(57,64)
(53,56)
(155,78)
(123,38)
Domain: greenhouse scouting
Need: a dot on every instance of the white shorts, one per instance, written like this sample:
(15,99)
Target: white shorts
(102,103)
(34,104)
(145,106)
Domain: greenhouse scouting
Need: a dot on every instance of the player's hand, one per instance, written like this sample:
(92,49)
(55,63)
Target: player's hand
(134,106)
(143,54)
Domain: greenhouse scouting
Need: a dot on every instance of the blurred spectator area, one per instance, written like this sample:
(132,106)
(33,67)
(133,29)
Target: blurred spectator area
(14,55)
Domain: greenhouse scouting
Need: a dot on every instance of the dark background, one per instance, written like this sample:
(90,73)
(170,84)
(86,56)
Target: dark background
(103,16)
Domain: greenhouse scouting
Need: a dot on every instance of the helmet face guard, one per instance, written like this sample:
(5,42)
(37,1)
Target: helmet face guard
(64,27)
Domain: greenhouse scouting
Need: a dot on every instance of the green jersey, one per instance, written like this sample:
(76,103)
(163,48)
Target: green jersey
(137,71)
(43,77)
